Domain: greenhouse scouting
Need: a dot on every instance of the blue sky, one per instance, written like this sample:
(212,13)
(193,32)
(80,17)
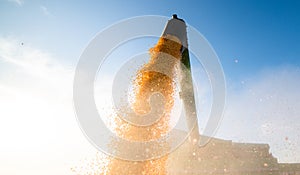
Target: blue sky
(258,44)
(257,33)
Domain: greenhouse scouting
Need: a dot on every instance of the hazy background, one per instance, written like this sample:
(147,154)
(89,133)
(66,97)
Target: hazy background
(258,43)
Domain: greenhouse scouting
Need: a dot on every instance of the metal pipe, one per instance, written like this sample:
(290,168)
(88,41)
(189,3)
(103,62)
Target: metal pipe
(177,27)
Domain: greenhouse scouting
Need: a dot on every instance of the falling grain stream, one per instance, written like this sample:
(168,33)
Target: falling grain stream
(145,83)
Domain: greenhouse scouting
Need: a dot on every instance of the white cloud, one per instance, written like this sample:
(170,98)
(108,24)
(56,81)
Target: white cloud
(18,2)
(267,110)
(38,129)
(45,11)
